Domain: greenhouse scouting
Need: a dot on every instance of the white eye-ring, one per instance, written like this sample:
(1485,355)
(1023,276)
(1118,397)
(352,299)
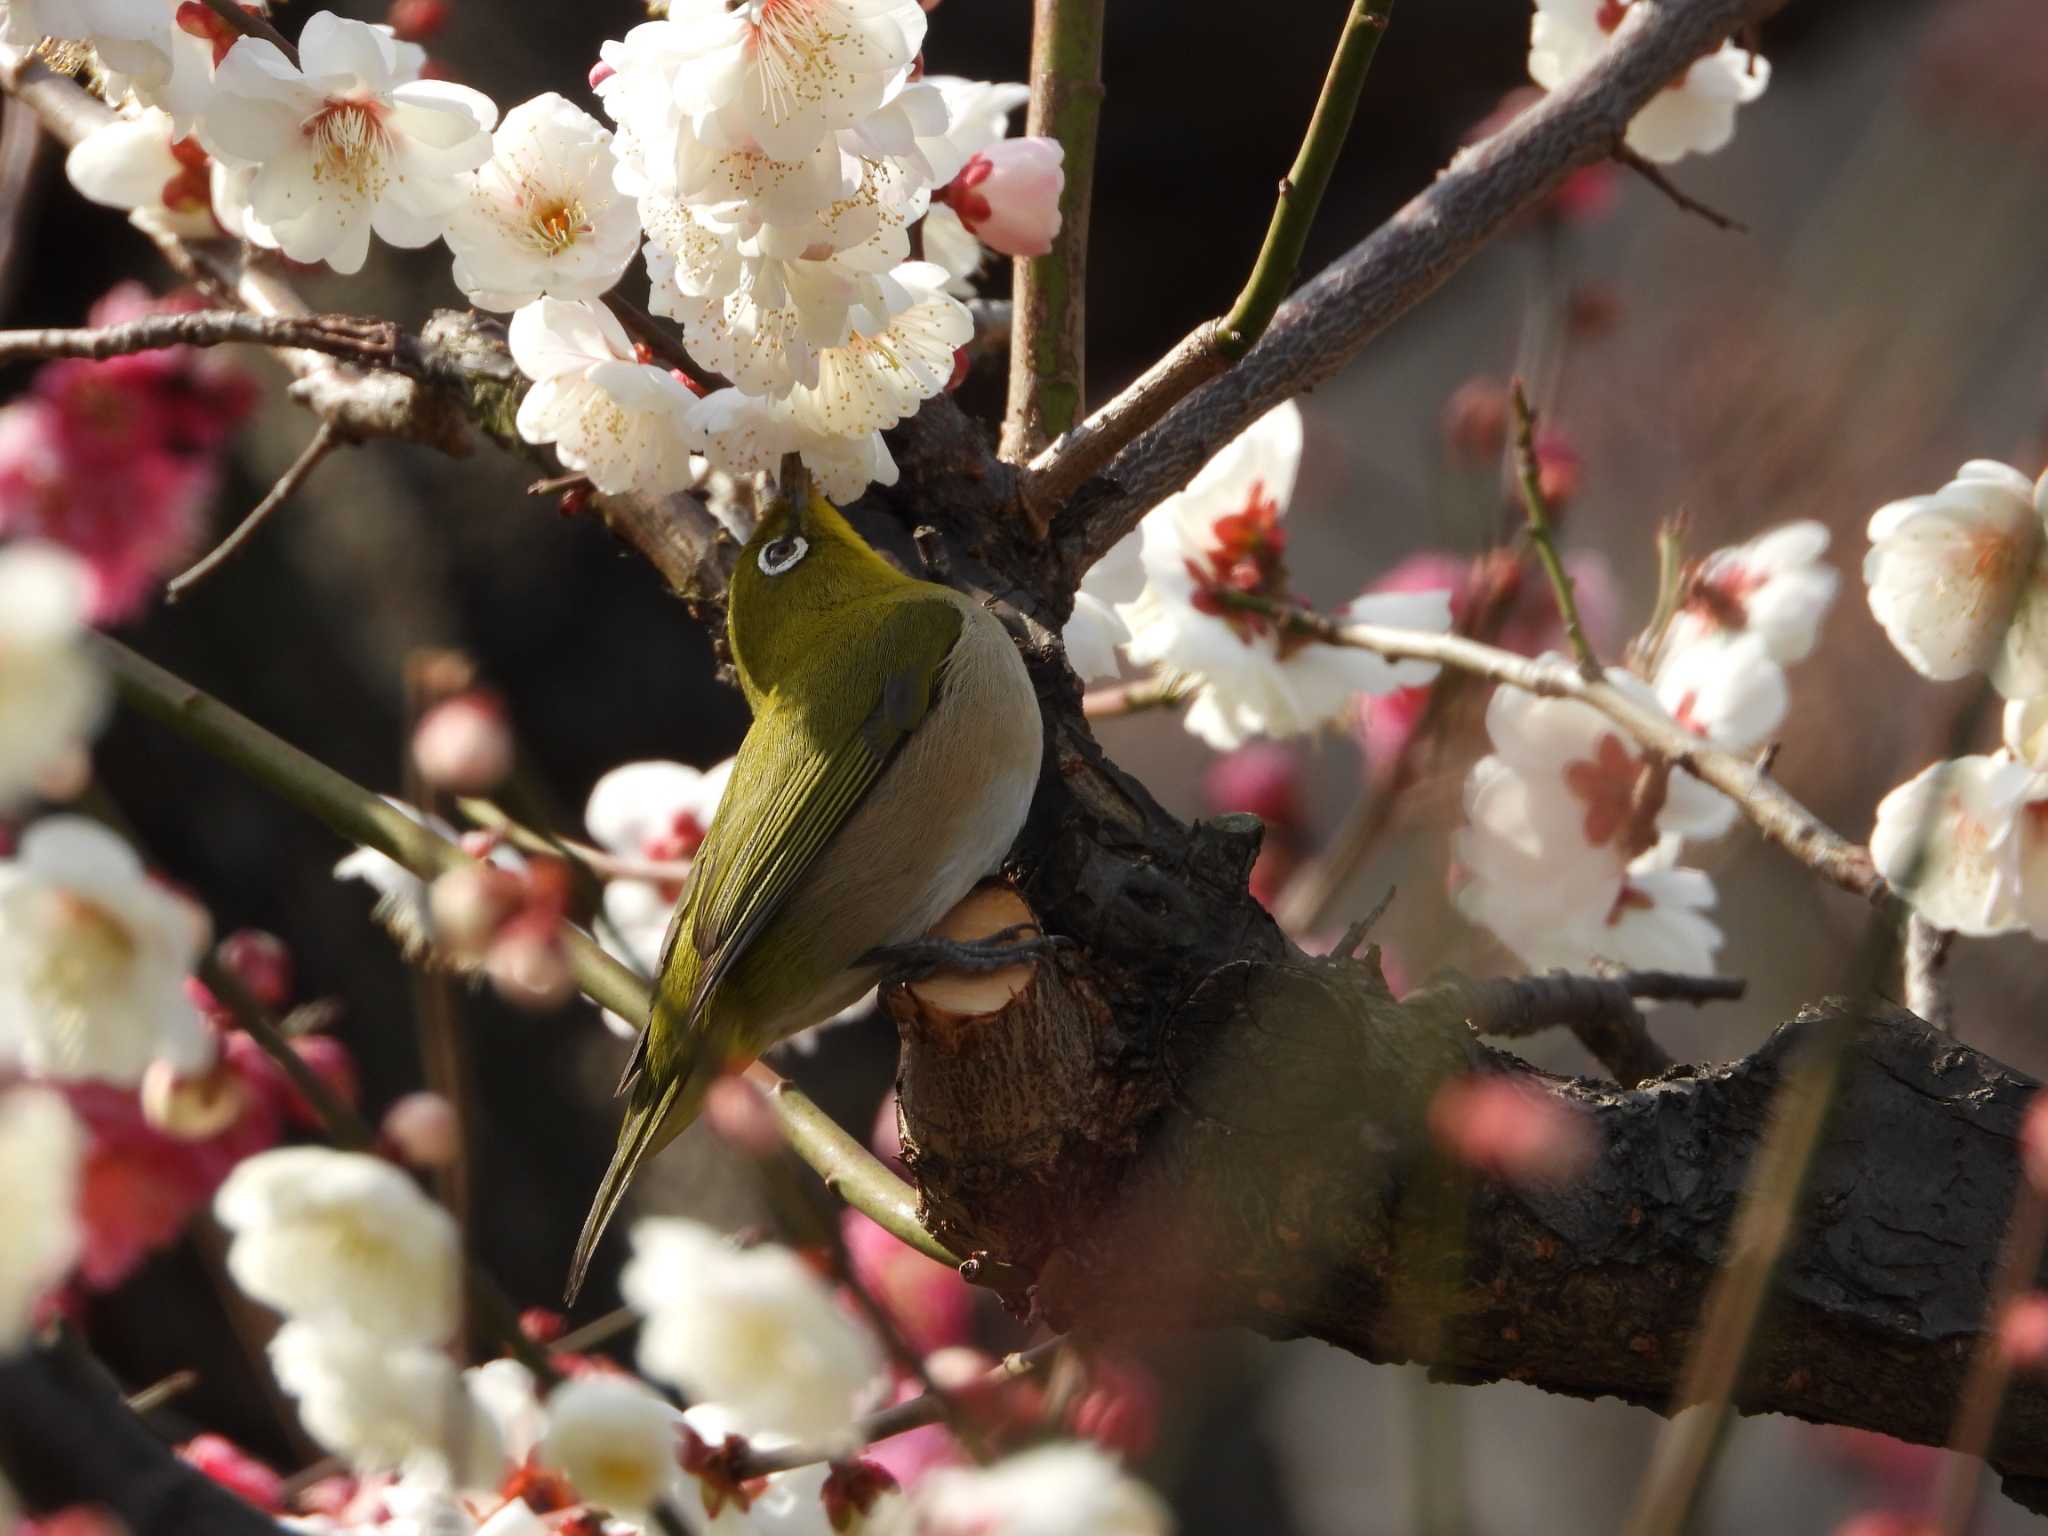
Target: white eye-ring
(779,556)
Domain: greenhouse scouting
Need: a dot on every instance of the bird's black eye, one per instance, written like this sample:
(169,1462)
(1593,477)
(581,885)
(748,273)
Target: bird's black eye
(779,555)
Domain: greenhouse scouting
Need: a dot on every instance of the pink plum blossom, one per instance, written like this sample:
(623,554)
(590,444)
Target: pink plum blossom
(1008,195)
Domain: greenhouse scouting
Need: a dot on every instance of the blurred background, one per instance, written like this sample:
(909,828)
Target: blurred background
(1881,321)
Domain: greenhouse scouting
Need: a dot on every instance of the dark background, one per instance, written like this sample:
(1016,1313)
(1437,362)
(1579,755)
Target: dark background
(1861,173)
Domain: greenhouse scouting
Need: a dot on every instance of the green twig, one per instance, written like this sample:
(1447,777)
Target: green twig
(1058,471)
(1537,509)
(1301,191)
(358,816)
(1048,337)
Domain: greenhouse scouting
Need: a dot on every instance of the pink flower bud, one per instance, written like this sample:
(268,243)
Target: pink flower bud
(1475,422)
(1008,196)
(469,904)
(261,962)
(192,1108)
(599,73)
(415,21)
(1263,778)
(423,1129)
(739,1113)
(2034,1142)
(526,964)
(1558,469)
(1501,1128)
(235,1470)
(462,744)
(2023,1332)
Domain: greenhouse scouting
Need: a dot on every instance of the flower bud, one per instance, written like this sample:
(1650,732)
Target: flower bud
(1008,196)
(227,1464)
(424,1131)
(1499,1127)
(526,964)
(1557,470)
(739,1113)
(468,905)
(261,962)
(463,744)
(2023,1332)
(1475,422)
(415,21)
(599,73)
(191,1108)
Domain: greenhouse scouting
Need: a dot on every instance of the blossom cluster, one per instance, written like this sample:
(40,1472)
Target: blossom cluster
(1958,579)
(774,157)
(1574,833)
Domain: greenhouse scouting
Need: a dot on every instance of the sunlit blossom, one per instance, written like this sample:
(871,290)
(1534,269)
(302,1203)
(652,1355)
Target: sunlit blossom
(51,695)
(622,422)
(39,1157)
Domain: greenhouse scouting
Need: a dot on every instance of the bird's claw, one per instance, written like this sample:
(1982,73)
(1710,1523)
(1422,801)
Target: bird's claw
(916,959)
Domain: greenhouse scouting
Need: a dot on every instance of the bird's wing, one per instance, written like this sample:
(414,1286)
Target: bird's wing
(800,773)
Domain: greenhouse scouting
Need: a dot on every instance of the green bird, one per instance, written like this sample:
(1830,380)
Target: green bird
(892,758)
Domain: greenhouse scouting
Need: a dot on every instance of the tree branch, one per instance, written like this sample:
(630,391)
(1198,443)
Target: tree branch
(1213,346)
(376,343)
(324,441)
(1350,302)
(1048,338)
(1529,475)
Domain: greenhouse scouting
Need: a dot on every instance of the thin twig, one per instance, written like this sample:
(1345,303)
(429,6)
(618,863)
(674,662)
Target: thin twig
(1601,1013)
(1119,699)
(900,1418)
(1057,472)
(848,1168)
(579,1341)
(1774,813)
(374,343)
(556,484)
(249,24)
(1655,175)
(1677,987)
(1536,507)
(1048,329)
(325,440)
(157,1393)
(662,344)
(610,866)
(1926,968)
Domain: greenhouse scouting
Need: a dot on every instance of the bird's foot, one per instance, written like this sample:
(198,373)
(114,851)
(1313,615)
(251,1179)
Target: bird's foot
(919,958)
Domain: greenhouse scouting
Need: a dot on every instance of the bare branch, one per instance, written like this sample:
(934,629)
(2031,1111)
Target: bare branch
(1601,1013)
(1333,317)
(325,440)
(1214,345)
(1048,339)
(375,343)
(1926,967)
(249,24)
(1775,813)
(1529,474)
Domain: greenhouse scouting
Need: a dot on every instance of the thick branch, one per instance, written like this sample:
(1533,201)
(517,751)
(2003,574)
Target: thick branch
(1048,338)
(1331,319)
(1213,346)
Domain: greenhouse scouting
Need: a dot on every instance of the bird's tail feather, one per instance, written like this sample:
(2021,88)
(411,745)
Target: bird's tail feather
(654,1117)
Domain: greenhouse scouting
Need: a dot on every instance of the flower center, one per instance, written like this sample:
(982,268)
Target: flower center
(792,52)
(554,227)
(350,144)
(1622,796)
(77,957)
(1722,599)
(1246,555)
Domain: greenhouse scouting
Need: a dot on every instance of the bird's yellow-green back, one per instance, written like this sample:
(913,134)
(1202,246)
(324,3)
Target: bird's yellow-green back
(840,656)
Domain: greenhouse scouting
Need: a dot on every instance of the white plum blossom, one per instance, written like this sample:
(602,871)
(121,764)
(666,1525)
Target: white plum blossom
(402,906)
(1695,115)
(342,1239)
(40,1150)
(748,434)
(1959,578)
(1944,837)
(542,215)
(1776,588)
(387,1407)
(138,163)
(784,73)
(1220,536)
(1055,1490)
(650,813)
(130,37)
(624,423)
(93,960)
(1728,692)
(1008,195)
(344,143)
(753,1330)
(1096,628)
(615,1440)
(51,696)
(1568,852)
